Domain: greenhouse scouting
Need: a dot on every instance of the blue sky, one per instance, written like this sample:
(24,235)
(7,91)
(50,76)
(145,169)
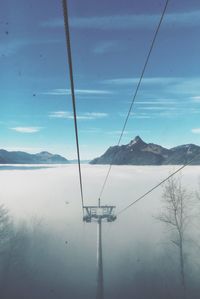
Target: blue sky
(110,41)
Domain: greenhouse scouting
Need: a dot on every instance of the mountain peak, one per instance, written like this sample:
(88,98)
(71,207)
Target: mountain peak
(137,152)
(45,153)
(136,140)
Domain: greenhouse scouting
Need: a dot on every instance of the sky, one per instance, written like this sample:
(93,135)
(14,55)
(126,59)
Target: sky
(110,41)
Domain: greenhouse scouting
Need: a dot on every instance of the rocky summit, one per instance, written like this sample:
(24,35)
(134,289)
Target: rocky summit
(138,152)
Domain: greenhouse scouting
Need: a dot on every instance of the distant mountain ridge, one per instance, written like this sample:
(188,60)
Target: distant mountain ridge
(18,157)
(138,152)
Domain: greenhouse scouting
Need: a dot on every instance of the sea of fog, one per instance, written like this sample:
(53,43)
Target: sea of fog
(58,256)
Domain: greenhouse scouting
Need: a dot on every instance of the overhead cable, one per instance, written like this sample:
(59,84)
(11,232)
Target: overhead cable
(69,54)
(158,185)
(136,91)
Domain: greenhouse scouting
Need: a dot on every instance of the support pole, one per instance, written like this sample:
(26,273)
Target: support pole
(100,288)
(99,214)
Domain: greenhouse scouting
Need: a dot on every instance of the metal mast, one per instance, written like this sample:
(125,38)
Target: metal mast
(100,288)
(98,214)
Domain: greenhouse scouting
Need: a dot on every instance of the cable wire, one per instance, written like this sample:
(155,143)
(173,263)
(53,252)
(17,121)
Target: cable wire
(69,54)
(158,185)
(136,92)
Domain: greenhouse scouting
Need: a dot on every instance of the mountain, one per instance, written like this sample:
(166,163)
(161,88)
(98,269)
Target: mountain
(25,158)
(137,152)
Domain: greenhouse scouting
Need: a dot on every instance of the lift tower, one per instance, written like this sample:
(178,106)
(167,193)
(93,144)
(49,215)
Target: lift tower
(98,214)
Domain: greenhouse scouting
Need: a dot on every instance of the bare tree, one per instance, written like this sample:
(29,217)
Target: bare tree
(198,192)
(5,235)
(175,214)
(5,226)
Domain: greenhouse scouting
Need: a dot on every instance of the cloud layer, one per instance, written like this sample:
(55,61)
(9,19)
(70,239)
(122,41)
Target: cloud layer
(26,130)
(196,130)
(83,116)
(65,91)
(131,21)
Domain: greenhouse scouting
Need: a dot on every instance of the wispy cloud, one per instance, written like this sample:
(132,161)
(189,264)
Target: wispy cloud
(105,47)
(26,130)
(141,116)
(195,130)
(164,102)
(130,21)
(95,115)
(63,92)
(153,108)
(144,116)
(60,114)
(13,46)
(173,85)
(83,116)
(147,81)
(157,113)
(188,86)
(196,99)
